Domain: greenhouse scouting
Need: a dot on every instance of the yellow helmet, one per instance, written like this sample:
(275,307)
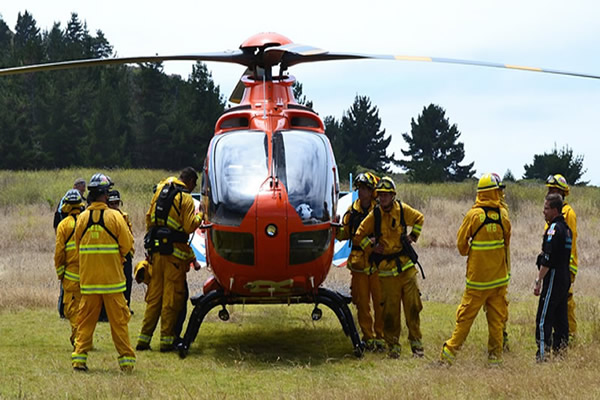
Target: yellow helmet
(366,178)
(558,181)
(386,184)
(488,182)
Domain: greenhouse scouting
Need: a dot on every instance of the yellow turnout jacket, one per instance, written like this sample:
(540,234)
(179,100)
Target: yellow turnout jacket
(182,217)
(66,258)
(391,230)
(486,248)
(102,250)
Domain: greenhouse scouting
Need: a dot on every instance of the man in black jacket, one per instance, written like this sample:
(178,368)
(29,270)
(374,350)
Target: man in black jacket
(553,281)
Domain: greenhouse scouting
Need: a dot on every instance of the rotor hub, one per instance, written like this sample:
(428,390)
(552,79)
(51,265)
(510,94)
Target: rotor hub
(265,39)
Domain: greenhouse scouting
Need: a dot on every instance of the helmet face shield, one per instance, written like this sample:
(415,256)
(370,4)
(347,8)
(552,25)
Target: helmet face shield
(386,184)
(365,178)
(557,181)
(72,197)
(114,199)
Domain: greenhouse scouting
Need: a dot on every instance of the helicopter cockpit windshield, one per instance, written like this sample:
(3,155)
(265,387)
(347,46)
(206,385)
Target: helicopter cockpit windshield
(303,163)
(240,159)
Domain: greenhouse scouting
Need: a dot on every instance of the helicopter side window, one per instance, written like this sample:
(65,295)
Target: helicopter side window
(302,162)
(239,167)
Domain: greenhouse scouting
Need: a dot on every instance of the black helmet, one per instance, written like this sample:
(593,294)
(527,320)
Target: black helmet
(113,196)
(100,183)
(72,197)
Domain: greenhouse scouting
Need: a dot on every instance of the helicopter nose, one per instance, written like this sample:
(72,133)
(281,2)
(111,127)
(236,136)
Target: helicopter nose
(271,226)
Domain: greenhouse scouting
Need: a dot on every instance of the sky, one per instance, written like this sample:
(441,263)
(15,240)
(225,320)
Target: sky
(505,117)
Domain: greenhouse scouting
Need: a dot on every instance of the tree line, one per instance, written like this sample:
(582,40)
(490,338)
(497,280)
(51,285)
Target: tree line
(117,116)
(140,117)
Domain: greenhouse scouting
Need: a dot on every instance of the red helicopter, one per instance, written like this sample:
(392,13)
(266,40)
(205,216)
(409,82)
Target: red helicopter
(269,183)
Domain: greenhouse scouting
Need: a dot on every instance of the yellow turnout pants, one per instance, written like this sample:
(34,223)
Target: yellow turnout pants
(366,288)
(403,289)
(497,313)
(165,298)
(118,318)
(71,300)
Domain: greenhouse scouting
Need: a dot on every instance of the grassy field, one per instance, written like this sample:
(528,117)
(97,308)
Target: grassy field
(278,351)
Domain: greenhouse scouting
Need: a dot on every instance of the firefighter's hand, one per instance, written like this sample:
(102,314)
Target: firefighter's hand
(197,265)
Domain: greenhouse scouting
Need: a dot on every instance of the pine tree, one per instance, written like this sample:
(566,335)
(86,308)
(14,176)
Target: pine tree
(557,162)
(433,149)
(360,140)
(300,98)
(6,37)
(508,176)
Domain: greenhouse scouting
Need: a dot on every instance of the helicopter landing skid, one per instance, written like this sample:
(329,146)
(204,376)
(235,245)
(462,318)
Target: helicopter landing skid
(334,300)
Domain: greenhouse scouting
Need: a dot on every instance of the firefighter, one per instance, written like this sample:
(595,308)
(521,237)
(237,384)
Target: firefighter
(103,240)
(79,185)
(115,202)
(364,285)
(483,237)
(66,258)
(170,220)
(558,184)
(381,231)
(553,281)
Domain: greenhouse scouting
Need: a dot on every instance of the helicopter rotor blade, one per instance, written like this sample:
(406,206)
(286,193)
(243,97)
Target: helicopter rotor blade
(286,55)
(234,56)
(294,54)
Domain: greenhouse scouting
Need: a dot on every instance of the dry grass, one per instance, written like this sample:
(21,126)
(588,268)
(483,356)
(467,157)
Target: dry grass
(277,351)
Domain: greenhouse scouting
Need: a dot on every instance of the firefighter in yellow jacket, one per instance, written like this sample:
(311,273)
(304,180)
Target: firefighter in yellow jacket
(558,184)
(365,279)
(484,237)
(103,240)
(66,258)
(170,220)
(397,275)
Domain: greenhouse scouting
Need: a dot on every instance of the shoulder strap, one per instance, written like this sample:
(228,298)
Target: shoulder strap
(488,220)
(100,222)
(377,227)
(354,220)
(74,226)
(165,201)
(402,220)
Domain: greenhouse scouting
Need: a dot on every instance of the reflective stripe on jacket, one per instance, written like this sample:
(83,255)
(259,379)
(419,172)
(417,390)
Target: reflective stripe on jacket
(100,255)
(487,263)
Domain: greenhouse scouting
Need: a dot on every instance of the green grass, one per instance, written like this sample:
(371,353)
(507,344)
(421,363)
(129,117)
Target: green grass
(278,352)
(267,352)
